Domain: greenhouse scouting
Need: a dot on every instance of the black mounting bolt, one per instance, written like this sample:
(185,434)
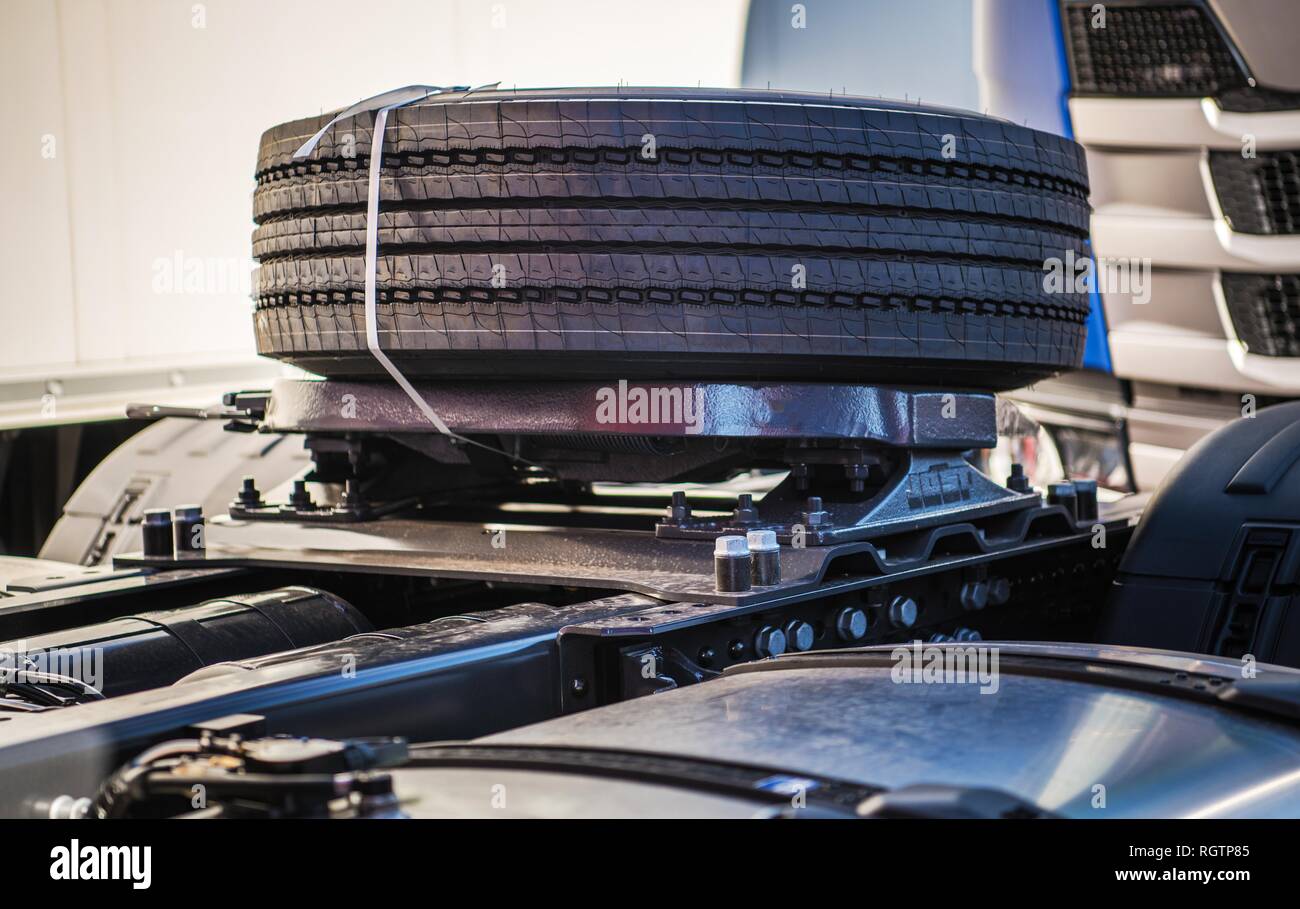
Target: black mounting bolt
(732,564)
(1018,482)
(851,624)
(802,476)
(300,497)
(857,476)
(766,552)
(903,612)
(974,595)
(188,529)
(736,650)
(679,512)
(813,514)
(800,635)
(1064,494)
(706,656)
(745,512)
(1086,493)
(249,496)
(769,642)
(157,533)
(579,687)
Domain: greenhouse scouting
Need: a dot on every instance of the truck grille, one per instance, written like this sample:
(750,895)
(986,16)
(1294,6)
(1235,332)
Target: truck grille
(1265,311)
(1171,51)
(1259,195)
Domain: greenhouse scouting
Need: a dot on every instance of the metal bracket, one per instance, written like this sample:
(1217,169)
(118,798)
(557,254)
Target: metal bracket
(926,488)
(896,417)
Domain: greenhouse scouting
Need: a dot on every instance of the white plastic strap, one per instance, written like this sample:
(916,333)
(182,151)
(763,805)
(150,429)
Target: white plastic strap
(372,266)
(397,97)
(382,104)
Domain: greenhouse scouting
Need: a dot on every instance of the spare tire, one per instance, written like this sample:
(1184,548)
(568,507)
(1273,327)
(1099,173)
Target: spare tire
(597,233)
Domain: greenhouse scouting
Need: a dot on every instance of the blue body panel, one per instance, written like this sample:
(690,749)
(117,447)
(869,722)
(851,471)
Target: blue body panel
(1096,352)
(1024,76)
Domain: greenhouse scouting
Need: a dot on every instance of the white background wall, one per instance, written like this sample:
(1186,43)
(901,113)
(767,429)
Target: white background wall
(154,109)
(895,48)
